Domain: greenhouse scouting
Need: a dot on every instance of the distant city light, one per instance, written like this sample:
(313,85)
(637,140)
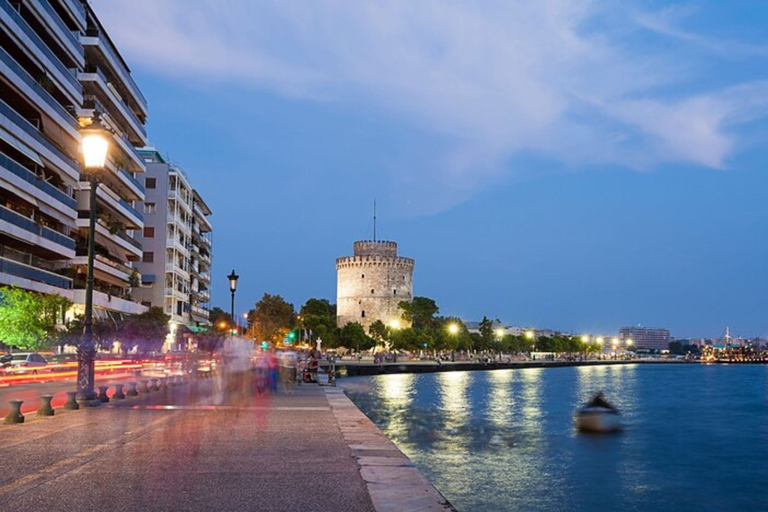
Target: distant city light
(599,340)
(585,339)
(500,332)
(529,335)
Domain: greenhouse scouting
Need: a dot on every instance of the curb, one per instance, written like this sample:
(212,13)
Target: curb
(393,482)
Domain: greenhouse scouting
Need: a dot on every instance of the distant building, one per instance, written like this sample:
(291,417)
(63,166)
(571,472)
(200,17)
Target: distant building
(646,337)
(372,283)
(176,240)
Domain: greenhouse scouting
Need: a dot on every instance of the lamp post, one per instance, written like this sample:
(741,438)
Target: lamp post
(531,336)
(233,288)
(95,148)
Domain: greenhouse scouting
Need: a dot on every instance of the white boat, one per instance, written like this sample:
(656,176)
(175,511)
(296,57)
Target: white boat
(598,416)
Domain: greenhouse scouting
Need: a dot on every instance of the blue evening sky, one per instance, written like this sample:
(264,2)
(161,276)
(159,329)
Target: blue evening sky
(553,163)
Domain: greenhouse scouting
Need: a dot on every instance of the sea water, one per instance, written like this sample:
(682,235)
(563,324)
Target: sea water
(695,438)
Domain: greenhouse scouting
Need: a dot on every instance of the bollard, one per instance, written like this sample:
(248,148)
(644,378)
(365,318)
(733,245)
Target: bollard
(72,404)
(132,391)
(145,386)
(154,387)
(15,415)
(103,397)
(45,406)
(118,394)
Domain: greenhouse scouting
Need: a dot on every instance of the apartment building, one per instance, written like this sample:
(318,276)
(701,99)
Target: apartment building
(176,241)
(651,338)
(57,67)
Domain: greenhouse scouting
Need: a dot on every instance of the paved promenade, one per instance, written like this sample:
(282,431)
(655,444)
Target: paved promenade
(177,449)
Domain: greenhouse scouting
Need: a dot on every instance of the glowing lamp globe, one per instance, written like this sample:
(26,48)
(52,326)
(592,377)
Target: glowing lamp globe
(95,145)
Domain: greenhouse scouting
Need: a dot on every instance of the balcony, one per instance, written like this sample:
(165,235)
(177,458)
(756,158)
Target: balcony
(30,177)
(34,138)
(68,40)
(17,269)
(76,9)
(170,291)
(56,111)
(29,231)
(40,52)
(98,78)
(178,221)
(118,205)
(119,273)
(98,41)
(110,302)
(202,313)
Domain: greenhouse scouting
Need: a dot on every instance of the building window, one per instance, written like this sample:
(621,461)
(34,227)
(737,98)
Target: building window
(150,182)
(363,314)
(148,257)
(149,232)
(394,292)
(371,291)
(149,207)
(362,277)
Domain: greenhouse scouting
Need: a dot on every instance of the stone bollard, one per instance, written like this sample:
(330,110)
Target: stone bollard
(118,394)
(132,391)
(15,415)
(145,386)
(155,387)
(103,397)
(45,406)
(72,404)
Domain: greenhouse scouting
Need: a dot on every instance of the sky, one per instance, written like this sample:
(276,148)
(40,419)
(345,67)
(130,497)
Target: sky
(571,164)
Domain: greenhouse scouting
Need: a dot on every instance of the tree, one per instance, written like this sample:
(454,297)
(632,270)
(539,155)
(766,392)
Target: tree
(419,312)
(28,320)
(379,331)
(146,331)
(486,333)
(104,332)
(273,317)
(353,335)
(318,316)
(217,316)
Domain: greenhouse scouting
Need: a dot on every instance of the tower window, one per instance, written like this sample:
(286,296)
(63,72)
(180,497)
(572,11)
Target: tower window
(362,276)
(371,291)
(363,314)
(394,292)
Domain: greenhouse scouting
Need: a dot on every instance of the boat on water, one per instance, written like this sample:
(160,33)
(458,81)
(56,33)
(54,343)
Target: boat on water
(598,416)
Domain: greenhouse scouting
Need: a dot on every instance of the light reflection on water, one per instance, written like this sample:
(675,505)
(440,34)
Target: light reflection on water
(504,439)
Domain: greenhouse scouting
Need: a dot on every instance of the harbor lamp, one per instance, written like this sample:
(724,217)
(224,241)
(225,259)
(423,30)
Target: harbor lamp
(530,336)
(233,288)
(95,144)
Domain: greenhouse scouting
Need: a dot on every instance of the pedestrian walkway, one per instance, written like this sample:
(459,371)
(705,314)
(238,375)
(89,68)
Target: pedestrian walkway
(179,450)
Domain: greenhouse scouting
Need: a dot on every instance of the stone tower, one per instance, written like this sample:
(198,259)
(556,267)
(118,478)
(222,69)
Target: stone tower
(372,283)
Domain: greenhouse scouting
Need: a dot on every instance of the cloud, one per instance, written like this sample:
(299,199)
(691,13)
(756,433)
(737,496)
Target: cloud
(578,81)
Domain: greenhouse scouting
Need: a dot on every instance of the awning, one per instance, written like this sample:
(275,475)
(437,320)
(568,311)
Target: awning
(20,146)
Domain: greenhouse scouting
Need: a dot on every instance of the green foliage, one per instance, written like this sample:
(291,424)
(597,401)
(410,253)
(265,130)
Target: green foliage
(104,332)
(272,318)
(28,320)
(319,317)
(218,315)
(379,331)
(353,335)
(419,312)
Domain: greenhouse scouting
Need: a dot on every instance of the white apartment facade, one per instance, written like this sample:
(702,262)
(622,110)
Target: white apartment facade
(176,241)
(57,67)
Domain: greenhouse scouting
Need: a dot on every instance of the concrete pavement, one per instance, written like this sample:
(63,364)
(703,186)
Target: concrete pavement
(185,449)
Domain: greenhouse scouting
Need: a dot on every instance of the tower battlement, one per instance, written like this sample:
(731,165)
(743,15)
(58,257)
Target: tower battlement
(375,248)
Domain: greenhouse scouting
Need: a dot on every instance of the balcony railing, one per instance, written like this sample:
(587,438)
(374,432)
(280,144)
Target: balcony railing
(117,266)
(17,269)
(30,225)
(33,132)
(22,23)
(130,240)
(31,82)
(121,69)
(62,26)
(30,177)
(133,180)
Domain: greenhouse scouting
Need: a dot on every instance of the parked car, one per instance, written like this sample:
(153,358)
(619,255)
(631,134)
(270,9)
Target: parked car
(23,363)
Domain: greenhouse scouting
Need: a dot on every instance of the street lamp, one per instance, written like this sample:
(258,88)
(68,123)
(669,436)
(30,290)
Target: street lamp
(453,329)
(232,288)
(530,335)
(95,148)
